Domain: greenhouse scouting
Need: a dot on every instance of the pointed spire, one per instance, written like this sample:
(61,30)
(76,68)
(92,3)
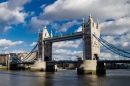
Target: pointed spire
(90,18)
(45,27)
(51,35)
(83,20)
(90,15)
(45,33)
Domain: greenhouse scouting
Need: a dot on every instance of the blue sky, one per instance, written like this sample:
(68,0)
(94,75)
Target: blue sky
(20,21)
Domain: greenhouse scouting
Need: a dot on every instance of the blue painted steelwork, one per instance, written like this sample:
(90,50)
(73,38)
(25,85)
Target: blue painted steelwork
(112,48)
(76,62)
(114,61)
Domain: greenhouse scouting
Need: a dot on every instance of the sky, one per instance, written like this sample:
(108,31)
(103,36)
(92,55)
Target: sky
(20,21)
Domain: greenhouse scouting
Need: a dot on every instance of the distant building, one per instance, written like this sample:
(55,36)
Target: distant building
(3,59)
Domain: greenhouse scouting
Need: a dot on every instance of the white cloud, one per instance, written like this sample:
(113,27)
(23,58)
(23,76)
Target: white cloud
(6,28)
(67,52)
(18,51)
(117,27)
(79,29)
(13,4)
(67,44)
(33,44)
(63,54)
(100,9)
(12,51)
(11,12)
(6,48)
(58,57)
(65,26)
(61,51)
(43,6)
(31,14)
(8,43)
(35,24)
(110,56)
(121,42)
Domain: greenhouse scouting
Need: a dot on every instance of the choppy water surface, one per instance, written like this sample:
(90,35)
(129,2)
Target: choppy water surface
(64,78)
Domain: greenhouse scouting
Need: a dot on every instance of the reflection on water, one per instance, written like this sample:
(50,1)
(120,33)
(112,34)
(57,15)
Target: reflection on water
(64,78)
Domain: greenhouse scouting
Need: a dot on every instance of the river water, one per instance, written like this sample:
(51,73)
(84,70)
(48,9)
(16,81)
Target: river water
(64,78)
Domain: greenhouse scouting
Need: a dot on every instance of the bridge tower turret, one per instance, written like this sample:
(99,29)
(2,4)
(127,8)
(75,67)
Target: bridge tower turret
(91,47)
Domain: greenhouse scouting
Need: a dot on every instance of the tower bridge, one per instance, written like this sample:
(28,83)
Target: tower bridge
(91,46)
(90,64)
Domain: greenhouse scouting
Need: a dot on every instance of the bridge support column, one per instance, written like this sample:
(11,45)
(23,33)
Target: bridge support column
(90,67)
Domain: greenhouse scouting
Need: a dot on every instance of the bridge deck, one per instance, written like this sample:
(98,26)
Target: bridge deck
(114,61)
(22,63)
(57,62)
(76,35)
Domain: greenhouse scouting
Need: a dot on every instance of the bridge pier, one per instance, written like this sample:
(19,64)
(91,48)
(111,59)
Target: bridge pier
(38,66)
(91,49)
(43,67)
(51,68)
(90,67)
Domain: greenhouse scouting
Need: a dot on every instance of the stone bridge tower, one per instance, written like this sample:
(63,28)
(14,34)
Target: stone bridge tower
(91,47)
(44,47)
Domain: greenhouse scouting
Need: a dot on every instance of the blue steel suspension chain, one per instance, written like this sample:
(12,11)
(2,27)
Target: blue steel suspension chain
(110,48)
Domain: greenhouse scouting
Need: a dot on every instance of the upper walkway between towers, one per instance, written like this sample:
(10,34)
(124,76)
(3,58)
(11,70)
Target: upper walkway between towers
(64,37)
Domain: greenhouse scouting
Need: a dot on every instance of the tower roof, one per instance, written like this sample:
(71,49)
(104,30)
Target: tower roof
(51,35)
(45,32)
